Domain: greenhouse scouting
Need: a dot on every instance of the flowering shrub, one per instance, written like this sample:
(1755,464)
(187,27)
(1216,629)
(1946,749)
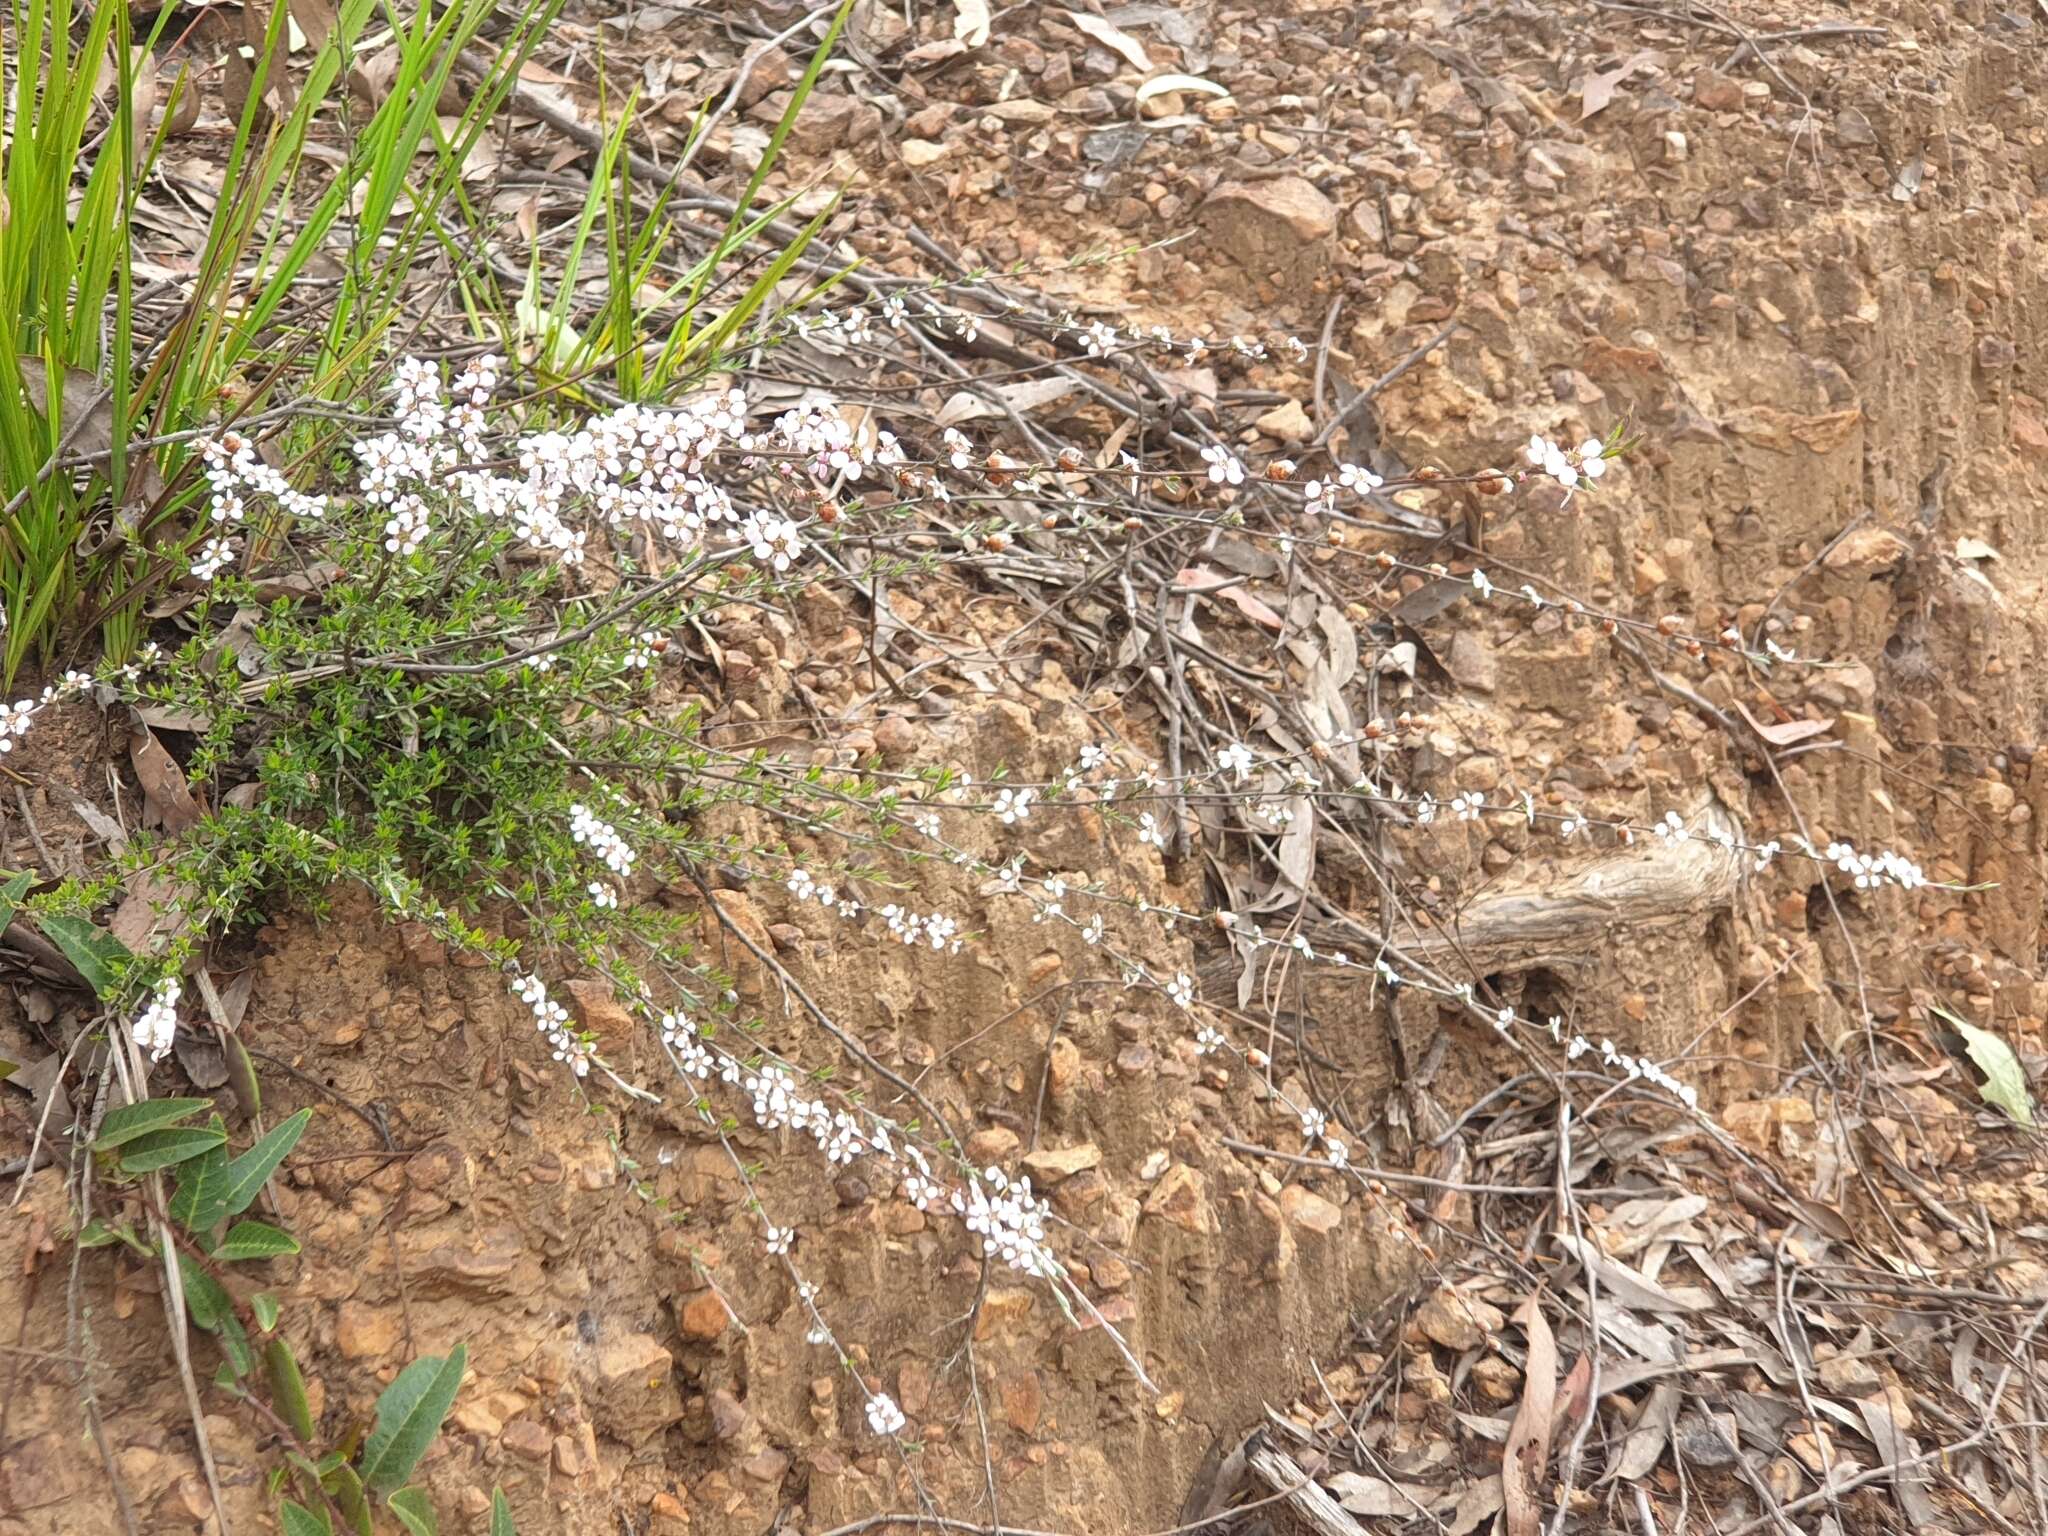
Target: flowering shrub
(460,704)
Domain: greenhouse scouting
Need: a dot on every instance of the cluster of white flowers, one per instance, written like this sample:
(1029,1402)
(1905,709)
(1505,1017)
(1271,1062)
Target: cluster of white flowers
(1225,467)
(884,1417)
(1014,805)
(1568,467)
(934,929)
(16,718)
(234,470)
(1009,1220)
(156,1027)
(603,839)
(552,1020)
(1326,494)
(1872,870)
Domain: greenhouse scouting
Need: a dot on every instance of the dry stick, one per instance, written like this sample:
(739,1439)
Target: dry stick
(82,1334)
(127,1062)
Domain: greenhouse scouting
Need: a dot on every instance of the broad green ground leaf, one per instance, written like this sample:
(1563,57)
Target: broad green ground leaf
(205,1302)
(347,1491)
(409,1415)
(501,1515)
(2005,1081)
(255,1240)
(246,1174)
(91,948)
(10,896)
(196,1204)
(415,1511)
(288,1390)
(132,1120)
(163,1149)
(264,1305)
(301,1521)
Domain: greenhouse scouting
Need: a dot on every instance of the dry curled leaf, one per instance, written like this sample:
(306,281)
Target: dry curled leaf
(88,410)
(1528,1447)
(970,22)
(167,797)
(1114,38)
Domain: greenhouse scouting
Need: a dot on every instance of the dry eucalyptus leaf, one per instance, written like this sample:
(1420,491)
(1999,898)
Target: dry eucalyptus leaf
(970,24)
(1160,85)
(1027,395)
(167,797)
(88,410)
(1116,39)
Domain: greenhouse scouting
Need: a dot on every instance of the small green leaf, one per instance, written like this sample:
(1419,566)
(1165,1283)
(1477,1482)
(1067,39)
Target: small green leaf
(255,1240)
(132,1120)
(10,898)
(301,1521)
(2005,1080)
(247,1173)
(8,1068)
(163,1149)
(242,1076)
(409,1415)
(415,1511)
(501,1515)
(234,1343)
(196,1203)
(96,953)
(206,1303)
(264,1305)
(347,1491)
(288,1390)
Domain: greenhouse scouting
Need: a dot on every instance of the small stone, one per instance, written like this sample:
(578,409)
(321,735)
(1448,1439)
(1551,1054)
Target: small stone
(1676,150)
(992,1144)
(1062,1067)
(1716,92)
(1471,663)
(528,1440)
(1306,1209)
(1287,423)
(365,1332)
(1180,1198)
(1848,1375)
(919,153)
(1457,1321)
(1497,1380)
(766,1466)
(1023,1401)
(1109,1272)
(896,737)
(572,1457)
(600,1011)
(1049,1167)
(1277,227)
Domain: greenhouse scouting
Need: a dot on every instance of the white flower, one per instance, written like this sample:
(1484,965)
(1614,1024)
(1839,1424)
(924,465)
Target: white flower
(1224,466)
(157,1026)
(602,895)
(884,1417)
(1356,477)
(1208,1038)
(1671,828)
(1014,805)
(777,1240)
(1101,339)
(1480,584)
(1149,830)
(1182,989)
(1592,460)
(1236,759)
